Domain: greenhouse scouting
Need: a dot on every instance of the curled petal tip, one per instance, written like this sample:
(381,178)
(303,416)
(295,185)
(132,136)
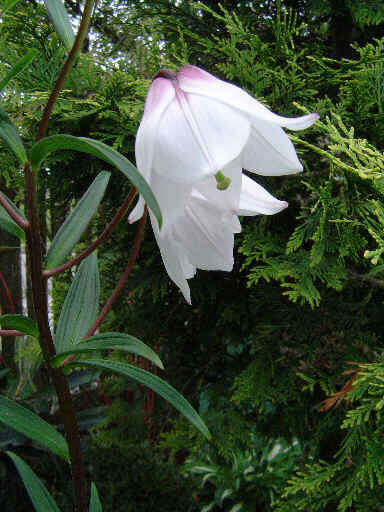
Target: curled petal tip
(299,123)
(137,212)
(133,217)
(312,118)
(187,296)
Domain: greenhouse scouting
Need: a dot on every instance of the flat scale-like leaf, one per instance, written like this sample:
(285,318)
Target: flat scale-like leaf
(20,65)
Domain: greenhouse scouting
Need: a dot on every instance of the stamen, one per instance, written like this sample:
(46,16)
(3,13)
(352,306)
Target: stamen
(223,182)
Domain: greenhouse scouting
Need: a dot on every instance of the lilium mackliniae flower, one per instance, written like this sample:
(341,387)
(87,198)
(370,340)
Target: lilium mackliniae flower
(196,136)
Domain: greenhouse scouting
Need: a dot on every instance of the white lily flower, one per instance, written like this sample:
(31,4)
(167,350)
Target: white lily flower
(196,135)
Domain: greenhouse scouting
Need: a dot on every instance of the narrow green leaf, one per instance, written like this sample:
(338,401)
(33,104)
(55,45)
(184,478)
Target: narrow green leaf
(95,504)
(8,4)
(60,20)
(40,497)
(17,210)
(110,341)
(80,306)
(10,225)
(20,323)
(4,372)
(44,147)
(7,223)
(74,226)
(32,426)
(10,136)
(152,381)
(20,65)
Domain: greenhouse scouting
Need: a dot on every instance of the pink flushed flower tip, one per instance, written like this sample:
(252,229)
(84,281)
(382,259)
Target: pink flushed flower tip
(196,135)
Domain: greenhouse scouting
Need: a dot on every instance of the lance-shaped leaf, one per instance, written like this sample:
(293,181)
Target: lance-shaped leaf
(20,323)
(10,136)
(80,306)
(60,20)
(95,504)
(4,372)
(110,341)
(152,381)
(7,223)
(74,226)
(8,4)
(44,147)
(32,426)
(40,497)
(20,65)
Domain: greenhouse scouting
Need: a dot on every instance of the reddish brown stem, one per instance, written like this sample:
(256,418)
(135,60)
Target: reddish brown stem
(119,214)
(10,332)
(12,213)
(39,294)
(38,281)
(119,287)
(75,50)
(8,293)
(123,279)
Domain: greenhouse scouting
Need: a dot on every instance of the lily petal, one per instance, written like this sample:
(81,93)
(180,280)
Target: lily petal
(138,211)
(197,81)
(269,151)
(205,238)
(193,140)
(172,198)
(178,268)
(160,95)
(255,200)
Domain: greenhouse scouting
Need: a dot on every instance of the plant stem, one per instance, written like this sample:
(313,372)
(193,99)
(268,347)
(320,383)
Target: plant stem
(11,212)
(10,332)
(119,214)
(8,293)
(119,287)
(75,50)
(123,279)
(39,293)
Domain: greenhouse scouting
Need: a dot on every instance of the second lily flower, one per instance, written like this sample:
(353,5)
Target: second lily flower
(196,135)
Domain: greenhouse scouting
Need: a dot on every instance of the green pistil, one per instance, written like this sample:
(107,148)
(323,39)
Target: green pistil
(223,182)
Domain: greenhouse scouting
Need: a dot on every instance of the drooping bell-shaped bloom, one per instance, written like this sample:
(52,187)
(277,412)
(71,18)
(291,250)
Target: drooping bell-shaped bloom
(196,136)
